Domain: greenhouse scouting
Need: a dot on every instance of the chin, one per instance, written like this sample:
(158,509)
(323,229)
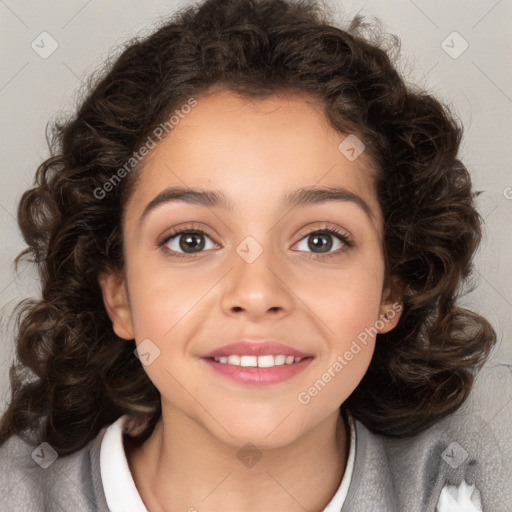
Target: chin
(264,435)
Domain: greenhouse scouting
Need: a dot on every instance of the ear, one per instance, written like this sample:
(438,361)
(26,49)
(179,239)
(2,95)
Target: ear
(390,310)
(115,298)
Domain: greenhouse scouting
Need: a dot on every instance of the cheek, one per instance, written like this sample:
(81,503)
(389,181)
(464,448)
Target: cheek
(351,341)
(349,308)
(348,317)
(348,301)
(163,299)
(163,309)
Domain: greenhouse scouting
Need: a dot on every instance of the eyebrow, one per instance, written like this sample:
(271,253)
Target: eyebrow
(217,199)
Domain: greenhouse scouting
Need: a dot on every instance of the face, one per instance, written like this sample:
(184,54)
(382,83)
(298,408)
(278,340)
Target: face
(252,266)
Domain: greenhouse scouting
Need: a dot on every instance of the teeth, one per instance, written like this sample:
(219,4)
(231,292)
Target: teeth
(248,361)
(279,360)
(235,360)
(267,361)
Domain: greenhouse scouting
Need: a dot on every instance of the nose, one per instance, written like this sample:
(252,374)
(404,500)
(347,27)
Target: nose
(257,289)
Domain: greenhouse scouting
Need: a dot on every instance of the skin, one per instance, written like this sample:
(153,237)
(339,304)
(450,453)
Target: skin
(255,151)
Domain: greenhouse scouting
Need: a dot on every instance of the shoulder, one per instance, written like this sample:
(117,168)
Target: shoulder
(466,454)
(472,447)
(18,475)
(34,477)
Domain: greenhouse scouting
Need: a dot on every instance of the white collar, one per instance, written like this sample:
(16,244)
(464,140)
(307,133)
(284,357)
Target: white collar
(122,494)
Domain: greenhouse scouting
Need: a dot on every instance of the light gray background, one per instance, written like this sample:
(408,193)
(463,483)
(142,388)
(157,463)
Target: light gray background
(477,84)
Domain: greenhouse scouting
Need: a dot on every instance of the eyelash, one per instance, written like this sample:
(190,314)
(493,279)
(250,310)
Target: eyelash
(343,237)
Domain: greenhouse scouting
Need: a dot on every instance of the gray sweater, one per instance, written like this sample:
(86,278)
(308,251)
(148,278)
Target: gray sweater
(472,445)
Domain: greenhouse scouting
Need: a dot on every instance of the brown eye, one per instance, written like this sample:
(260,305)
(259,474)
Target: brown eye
(322,241)
(186,243)
(191,241)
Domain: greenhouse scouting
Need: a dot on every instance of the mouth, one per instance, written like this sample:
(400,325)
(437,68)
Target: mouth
(257,362)
(257,371)
(264,361)
(256,347)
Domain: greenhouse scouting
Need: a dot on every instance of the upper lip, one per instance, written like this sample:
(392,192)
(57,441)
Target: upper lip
(254,347)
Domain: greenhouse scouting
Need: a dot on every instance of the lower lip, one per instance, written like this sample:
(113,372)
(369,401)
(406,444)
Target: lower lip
(255,376)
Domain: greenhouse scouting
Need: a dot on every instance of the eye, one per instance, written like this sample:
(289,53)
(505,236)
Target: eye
(185,243)
(320,242)
(189,241)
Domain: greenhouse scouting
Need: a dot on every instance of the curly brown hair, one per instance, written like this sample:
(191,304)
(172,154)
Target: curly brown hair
(73,375)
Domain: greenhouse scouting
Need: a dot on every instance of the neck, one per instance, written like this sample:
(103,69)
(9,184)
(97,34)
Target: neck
(182,466)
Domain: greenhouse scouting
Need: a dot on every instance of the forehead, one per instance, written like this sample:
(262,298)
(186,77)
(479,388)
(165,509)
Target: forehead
(257,148)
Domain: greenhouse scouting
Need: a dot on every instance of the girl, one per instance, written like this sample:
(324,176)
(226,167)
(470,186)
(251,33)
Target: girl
(251,238)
